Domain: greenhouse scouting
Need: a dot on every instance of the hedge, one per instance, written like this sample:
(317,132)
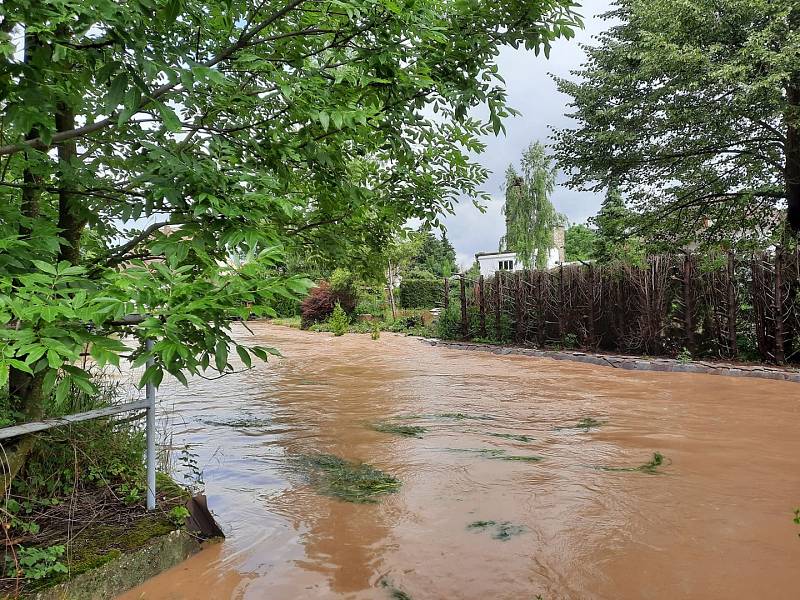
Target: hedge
(420,293)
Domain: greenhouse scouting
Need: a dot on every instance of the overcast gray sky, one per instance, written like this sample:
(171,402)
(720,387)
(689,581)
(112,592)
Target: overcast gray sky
(532,91)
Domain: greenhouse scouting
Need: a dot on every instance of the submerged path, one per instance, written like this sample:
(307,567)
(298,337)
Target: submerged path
(713,522)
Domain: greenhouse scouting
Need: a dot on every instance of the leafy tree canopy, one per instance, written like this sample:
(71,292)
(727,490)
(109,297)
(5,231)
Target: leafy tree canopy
(579,242)
(613,237)
(693,109)
(530,216)
(432,256)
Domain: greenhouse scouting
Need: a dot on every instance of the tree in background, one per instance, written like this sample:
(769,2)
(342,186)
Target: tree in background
(693,109)
(613,238)
(579,243)
(144,144)
(474,271)
(432,256)
(530,216)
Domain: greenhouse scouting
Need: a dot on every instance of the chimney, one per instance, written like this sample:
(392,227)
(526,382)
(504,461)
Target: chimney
(559,235)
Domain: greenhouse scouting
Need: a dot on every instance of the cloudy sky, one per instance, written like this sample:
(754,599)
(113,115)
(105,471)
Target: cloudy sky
(532,91)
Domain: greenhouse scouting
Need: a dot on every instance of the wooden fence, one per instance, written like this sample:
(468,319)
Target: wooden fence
(725,306)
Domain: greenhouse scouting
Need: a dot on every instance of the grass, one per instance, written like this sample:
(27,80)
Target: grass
(414,431)
(293,322)
(586,424)
(346,480)
(649,467)
(502,531)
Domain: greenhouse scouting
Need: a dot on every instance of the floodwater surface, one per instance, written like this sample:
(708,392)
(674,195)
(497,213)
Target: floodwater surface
(713,521)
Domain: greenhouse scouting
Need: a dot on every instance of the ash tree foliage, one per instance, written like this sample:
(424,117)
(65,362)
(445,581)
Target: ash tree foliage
(530,216)
(693,108)
(160,156)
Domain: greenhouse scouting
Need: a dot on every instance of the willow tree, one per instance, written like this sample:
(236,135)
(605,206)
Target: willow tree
(530,216)
(160,156)
(693,108)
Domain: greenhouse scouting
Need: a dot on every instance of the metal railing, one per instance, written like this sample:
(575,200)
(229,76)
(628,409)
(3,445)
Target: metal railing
(149,404)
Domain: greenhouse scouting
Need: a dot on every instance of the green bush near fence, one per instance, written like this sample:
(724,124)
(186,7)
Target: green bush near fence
(421,293)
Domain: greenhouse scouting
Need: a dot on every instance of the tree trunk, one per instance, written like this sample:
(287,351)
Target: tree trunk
(71,219)
(792,145)
(390,283)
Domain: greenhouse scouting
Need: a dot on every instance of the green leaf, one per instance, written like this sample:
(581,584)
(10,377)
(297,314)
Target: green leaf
(168,116)
(221,355)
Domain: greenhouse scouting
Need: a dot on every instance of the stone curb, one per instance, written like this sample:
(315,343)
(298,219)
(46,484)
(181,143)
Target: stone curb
(632,363)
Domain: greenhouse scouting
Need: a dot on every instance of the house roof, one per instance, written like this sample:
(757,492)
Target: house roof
(487,254)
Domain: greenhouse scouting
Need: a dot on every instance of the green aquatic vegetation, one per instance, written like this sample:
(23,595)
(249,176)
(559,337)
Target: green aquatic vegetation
(461,416)
(511,436)
(649,467)
(520,458)
(394,592)
(586,424)
(497,454)
(487,452)
(346,480)
(502,531)
(415,431)
(240,423)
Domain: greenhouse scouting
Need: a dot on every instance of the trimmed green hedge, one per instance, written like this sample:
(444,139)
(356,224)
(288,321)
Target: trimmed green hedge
(421,293)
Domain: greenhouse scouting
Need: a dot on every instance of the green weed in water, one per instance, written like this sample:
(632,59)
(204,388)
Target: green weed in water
(346,480)
(242,423)
(502,531)
(462,416)
(394,593)
(585,424)
(511,436)
(649,467)
(497,454)
(415,431)
(520,458)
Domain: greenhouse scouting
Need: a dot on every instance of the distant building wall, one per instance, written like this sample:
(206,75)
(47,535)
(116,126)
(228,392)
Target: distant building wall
(491,262)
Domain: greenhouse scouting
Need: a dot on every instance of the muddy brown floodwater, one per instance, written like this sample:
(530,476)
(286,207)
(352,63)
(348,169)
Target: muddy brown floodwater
(714,522)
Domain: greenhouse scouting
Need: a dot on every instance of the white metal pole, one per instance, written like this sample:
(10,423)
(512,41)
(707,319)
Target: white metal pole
(150,395)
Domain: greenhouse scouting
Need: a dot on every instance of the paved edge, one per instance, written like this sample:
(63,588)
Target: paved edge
(632,363)
(126,572)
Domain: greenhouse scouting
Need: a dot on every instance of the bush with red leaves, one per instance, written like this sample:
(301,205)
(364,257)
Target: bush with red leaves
(320,302)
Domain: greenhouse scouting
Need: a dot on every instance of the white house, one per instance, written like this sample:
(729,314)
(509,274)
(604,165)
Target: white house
(491,262)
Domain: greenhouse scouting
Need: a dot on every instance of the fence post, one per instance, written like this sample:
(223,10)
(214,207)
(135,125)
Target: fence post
(464,319)
(732,308)
(482,306)
(778,307)
(518,308)
(590,329)
(150,395)
(561,303)
(446,294)
(688,305)
(498,301)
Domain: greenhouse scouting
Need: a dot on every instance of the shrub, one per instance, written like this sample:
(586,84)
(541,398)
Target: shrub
(339,322)
(420,293)
(371,303)
(319,304)
(285,307)
(448,326)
